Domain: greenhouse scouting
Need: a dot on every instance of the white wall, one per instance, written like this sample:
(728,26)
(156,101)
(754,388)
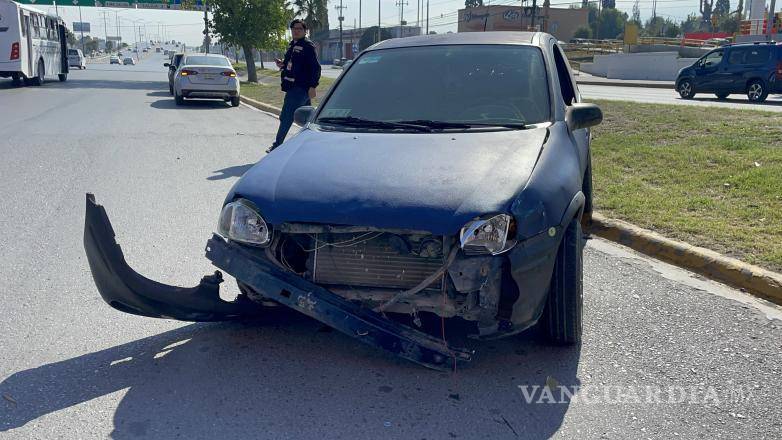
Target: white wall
(657,66)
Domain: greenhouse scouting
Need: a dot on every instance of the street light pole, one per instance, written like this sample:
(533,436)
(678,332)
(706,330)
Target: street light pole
(427,17)
(378,20)
(81,26)
(341,19)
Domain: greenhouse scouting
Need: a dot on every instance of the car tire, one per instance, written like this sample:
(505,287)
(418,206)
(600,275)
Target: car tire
(722,96)
(178,99)
(562,315)
(757,91)
(38,80)
(235,101)
(686,89)
(62,76)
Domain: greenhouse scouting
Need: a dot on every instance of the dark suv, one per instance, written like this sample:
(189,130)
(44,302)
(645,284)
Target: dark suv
(754,69)
(176,60)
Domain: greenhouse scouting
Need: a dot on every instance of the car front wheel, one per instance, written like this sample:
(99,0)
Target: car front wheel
(686,89)
(757,91)
(562,316)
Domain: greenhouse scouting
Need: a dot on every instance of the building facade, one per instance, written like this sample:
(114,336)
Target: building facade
(560,22)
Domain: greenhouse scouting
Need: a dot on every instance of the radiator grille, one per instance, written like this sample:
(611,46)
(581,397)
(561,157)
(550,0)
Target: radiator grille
(375,263)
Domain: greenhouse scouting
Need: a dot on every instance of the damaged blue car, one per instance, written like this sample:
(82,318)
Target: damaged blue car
(446,175)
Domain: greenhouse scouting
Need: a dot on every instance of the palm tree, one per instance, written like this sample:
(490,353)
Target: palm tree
(315,13)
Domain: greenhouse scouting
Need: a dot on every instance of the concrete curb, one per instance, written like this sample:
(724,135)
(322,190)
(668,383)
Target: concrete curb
(625,84)
(260,105)
(753,279)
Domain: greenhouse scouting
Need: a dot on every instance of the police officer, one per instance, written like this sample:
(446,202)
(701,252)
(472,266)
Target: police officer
(300,73)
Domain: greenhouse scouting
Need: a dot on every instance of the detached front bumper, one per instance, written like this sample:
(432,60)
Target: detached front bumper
(127,291)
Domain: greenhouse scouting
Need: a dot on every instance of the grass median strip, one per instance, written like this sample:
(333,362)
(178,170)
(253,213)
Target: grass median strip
(705,175)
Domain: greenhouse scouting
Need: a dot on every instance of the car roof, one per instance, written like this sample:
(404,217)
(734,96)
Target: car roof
(518,38)
(210,55)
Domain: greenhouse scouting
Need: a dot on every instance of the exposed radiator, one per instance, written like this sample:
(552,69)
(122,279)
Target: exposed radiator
(374,263)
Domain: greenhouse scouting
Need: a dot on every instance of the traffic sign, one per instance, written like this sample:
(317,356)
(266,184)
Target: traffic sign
(187,5)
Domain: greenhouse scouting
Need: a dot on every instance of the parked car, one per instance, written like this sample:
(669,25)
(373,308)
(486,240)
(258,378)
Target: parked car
(751,69)
(76,59)
(114,60)
(456,188)
(173,65)
(129,61)
(206,76)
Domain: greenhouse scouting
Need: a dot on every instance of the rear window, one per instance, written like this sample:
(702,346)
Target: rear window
(206,61)
(73,52)
(757,55)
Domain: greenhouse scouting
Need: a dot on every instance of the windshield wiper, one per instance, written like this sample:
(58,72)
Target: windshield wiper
(352,121)
(464,125)
(516,125)
(436,124)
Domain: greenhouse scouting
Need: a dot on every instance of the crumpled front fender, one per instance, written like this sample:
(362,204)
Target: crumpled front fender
(125,290)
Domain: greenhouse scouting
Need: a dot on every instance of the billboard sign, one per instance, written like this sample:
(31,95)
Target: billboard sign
(81,26)
(185,5)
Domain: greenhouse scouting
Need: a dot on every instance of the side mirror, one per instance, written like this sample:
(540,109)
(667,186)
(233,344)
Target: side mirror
(302,115)
(582,115)
(166,65)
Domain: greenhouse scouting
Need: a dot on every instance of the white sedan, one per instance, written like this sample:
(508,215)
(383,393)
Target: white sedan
(206,76)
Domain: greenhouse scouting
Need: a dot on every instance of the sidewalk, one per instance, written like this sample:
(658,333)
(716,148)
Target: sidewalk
(587,79)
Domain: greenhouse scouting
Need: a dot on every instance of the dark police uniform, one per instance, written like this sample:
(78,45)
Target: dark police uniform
(300,71)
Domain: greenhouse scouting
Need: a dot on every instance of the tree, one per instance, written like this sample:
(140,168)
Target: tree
(70,38)
(583,32)
(315,13)
(473,3)
(691,24)
(636,17)
(722,8)
(109,45)
(369,37)
(251,24)
(607,4)
(608,24)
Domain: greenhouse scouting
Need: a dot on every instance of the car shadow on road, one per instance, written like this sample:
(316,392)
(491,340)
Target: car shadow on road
(160,93)
(234,171)
(197,104)
(290,377)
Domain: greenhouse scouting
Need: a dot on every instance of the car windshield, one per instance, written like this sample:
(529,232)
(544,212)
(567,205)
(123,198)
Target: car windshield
(455,84)
(206,61)
(73,52)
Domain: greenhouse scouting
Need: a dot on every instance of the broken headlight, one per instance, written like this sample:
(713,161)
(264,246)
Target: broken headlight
(487,236)
(240,221)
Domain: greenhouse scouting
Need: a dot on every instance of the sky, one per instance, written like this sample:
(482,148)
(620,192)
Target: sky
(187,25)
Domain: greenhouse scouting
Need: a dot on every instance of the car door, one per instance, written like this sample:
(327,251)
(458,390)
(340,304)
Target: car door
(707,71)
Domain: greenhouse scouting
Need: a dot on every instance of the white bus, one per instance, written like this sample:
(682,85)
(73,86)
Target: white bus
(32,44)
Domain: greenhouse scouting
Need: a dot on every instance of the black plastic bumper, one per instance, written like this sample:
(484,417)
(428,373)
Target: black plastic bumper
(127,291)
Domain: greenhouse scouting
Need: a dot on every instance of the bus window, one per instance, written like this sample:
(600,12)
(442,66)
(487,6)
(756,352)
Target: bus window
(22,24)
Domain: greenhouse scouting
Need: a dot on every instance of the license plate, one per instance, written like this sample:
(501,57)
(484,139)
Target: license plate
(207,76)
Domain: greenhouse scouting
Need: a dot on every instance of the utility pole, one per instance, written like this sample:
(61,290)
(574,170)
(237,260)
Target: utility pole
(418,15)
(105,32)
(83,50)
(359,14)
(401,4)
(427,17)
(378,20)
(770,20)
(207,40)
(341,19)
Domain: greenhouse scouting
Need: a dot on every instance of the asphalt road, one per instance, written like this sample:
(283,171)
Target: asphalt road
(74,368)
(669,96)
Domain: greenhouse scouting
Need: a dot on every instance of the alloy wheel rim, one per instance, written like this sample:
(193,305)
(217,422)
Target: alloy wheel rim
(754,91)
(685,88)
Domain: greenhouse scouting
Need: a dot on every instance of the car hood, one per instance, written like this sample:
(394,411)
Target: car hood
(432,182)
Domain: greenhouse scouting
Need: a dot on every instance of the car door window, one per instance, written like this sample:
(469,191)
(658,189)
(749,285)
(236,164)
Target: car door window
(736,56)
(713,59)
(565,84)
